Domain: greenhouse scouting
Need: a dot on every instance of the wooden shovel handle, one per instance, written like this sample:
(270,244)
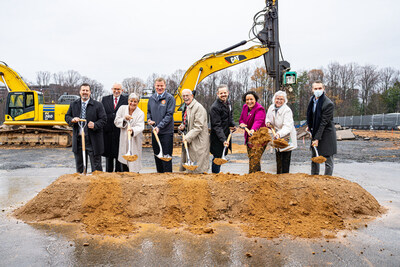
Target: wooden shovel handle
(184,142)
(229,138)
(83,140)
(156,136)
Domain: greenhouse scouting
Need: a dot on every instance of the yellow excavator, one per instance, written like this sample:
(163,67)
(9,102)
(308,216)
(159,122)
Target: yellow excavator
(28,120)
(26,108)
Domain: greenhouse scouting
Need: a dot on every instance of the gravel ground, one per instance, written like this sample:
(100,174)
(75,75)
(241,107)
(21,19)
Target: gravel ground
(358,150)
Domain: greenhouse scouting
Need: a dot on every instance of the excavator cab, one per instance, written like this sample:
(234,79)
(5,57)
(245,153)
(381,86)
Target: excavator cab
(21,105)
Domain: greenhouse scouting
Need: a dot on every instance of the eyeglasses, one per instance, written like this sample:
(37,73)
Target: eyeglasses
(119,89)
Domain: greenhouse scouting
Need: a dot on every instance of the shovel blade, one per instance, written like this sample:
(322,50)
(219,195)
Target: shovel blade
(130,158)
(220,161)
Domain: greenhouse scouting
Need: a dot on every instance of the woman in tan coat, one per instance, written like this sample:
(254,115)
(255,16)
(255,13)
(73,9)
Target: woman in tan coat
(195,127)
(134,116)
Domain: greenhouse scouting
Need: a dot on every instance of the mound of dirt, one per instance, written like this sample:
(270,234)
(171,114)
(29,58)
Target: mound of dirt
(261,204)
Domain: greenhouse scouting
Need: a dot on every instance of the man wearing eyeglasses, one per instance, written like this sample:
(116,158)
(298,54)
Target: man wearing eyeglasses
(111,105)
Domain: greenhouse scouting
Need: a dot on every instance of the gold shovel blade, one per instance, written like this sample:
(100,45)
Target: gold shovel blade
(130,157)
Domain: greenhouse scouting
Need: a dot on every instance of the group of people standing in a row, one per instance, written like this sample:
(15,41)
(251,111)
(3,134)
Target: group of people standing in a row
(116,118)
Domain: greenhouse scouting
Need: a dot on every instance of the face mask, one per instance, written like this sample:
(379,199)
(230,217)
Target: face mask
(318,93)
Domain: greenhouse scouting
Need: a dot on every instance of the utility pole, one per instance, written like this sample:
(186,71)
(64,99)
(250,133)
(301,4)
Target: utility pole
(270,35)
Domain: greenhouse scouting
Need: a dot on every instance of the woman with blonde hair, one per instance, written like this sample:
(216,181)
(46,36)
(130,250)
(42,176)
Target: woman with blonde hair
(134,117)
(280,117)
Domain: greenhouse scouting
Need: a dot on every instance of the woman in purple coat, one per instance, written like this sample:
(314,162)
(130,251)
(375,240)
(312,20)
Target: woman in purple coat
(252,117)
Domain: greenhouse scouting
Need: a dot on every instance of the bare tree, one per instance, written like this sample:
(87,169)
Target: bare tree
(388,76)
(369,79)
(43,78)
(72,78)
(315,75)
(262,85)
(133,85)
(151,79)
(59,78)
(348,78)
(174,80)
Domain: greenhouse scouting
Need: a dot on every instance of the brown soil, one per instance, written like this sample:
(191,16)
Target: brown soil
(260,137)
(220,161)
(130,157)
(264,205)
(393,135)
(190,167)
(280,143)
(319,159)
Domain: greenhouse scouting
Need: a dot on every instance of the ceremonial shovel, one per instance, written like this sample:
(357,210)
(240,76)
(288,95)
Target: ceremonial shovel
(82,124)
(161,154)
(223,160)
(189,165)
(128,156)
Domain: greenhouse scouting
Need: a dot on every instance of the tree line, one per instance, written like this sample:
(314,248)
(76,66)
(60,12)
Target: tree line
(355,89)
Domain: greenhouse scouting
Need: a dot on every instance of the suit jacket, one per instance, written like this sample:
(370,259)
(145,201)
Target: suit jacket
(111,132)
(221,119)
(325,132)
(95,113)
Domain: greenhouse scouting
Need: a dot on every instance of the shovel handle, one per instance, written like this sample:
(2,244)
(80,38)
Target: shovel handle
(248,131)
(83,140)
(316,151)
(184,142)
(156,136)
(229,138)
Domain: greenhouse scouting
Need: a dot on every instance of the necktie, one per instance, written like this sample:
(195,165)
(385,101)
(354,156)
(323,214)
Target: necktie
(115,102)
(184,117)
(83,111)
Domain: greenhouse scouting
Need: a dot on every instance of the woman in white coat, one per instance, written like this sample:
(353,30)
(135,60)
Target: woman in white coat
(134,116)
(280,117)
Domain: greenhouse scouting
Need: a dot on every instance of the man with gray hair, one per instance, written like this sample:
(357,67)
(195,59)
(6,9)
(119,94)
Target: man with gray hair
(195,126)
(111,135)
(221,119)
(320,124)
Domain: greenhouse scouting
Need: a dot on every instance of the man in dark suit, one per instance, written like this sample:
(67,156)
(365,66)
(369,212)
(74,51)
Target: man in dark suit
(320,124)
(93,112)
(221,121)
(111,105)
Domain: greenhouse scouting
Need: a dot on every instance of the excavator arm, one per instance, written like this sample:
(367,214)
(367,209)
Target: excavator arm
(11,80)
(214,62)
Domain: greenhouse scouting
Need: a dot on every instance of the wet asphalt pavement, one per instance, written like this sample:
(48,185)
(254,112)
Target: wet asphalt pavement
(24,172)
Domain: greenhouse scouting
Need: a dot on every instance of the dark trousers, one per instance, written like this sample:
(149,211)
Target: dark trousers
(110,165)
(167,143)
(328,165)
(255,154)
(95,160)
(283,161)
(214,167)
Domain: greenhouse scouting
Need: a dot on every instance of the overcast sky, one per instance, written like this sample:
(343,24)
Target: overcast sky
(112,40)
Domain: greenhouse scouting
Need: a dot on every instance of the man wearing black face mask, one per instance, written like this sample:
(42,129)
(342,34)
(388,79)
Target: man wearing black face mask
(320,124)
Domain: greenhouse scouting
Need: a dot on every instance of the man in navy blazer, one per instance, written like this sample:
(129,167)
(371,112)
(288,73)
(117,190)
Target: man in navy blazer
(111,105)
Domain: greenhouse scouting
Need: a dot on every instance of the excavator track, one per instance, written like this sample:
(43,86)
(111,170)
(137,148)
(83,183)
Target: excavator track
(35,136)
